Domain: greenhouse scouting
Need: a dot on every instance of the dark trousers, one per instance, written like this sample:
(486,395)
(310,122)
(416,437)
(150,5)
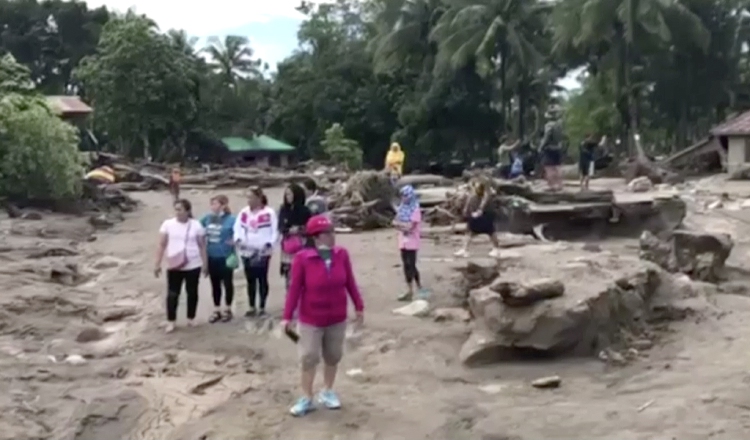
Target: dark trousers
(256,272)
(175,279)
(409,261)
(220,275)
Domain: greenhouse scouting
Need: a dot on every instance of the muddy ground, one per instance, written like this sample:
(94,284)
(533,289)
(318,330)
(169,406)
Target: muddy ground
(82,355)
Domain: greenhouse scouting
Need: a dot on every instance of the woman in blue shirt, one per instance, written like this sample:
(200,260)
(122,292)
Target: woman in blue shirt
(219,225)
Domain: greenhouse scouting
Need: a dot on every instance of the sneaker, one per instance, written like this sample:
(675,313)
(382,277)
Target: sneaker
(329,399)
(461,253)
(495,253)
(215,317)
(261,313)
(303,406)
(423,293)
(169,328)
(250,313)
(405,297)
(227,316)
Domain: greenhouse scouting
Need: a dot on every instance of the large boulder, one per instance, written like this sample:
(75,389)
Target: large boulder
(591,315)
(700,255)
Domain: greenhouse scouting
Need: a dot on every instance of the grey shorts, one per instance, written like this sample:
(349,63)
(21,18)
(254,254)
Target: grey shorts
(316,341)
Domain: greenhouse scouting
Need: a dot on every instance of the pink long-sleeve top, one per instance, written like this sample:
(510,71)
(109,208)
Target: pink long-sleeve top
(322,293)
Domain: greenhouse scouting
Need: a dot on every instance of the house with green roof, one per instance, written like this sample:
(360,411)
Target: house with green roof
(259,151)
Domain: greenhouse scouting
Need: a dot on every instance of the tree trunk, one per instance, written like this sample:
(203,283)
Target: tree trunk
(522,108)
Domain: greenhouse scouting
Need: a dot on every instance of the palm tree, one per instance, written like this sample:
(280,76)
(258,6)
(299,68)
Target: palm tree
(494,36)
(232,57)
(613,32)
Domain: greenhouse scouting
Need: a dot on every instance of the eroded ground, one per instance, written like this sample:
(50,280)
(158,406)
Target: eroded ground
(235,381)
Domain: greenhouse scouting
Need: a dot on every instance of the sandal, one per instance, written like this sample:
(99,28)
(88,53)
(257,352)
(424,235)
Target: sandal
(227,316)
(215,317)
(405,297)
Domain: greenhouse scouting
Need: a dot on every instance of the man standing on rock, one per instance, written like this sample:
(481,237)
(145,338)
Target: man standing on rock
(552,154)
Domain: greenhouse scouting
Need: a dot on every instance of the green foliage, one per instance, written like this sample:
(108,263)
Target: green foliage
(39,157)
(340,149)
(590,110)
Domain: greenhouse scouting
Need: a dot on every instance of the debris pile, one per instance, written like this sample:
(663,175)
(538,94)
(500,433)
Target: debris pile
(701,256)
(366,201)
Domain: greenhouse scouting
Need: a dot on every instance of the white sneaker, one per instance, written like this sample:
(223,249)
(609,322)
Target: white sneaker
(169,328)
(495,253)
(461,253)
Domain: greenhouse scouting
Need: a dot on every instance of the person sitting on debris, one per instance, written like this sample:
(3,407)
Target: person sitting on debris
(175,177)
(480,217)
(505,155)
(222,259)
(407,222)
(316,203)
(293,215)
(394,161)
(322,278)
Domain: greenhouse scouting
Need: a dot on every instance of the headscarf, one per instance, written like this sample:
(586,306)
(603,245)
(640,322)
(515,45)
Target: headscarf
(295,213)
(409,204)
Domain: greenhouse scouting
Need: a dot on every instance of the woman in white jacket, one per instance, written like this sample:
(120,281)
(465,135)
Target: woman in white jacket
(255,234)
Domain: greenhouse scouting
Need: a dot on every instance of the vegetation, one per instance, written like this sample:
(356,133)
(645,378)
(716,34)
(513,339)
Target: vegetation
(441,77)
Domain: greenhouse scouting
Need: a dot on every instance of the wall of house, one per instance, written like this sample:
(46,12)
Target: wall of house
(737,155)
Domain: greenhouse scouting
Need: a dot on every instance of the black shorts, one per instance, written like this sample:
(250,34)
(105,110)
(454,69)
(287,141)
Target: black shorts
(585,166)
(482,225)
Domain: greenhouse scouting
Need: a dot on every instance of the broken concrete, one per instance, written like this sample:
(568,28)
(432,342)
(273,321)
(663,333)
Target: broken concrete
(702,256)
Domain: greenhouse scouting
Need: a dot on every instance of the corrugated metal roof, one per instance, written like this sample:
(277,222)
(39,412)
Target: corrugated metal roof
(68,105)
(258,143)
(738,126)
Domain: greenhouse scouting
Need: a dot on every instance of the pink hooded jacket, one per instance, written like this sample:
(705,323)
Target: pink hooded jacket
(321,294)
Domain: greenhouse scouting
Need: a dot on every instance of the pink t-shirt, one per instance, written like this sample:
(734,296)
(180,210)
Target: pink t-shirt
(410,240)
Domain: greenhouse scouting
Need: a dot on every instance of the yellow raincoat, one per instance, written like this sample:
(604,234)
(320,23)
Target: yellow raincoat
(394,160)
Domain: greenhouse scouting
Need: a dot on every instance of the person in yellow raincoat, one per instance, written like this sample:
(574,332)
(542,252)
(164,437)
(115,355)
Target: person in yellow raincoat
(394,160)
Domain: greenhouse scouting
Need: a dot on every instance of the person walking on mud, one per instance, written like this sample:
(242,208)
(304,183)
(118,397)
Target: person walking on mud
(255,234)
(182,239)
(175,177)
(322,282)
(293,215)
(480,217)
(222,259)
(408,224)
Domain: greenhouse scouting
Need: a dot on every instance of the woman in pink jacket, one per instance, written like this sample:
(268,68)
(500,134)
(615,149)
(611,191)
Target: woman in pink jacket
(322,281)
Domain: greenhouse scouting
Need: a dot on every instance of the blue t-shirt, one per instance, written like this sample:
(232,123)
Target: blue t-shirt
(219,231)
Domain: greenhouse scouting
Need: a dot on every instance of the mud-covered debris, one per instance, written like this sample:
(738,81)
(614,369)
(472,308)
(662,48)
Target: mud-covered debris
(201,388)
(418,308)
(451,314)
(518,295)
(700,255)
(640,184)
(547,382)
(91,334)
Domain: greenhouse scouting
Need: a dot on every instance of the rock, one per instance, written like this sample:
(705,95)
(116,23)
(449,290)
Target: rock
(593,314)
(482,348)
(492,388)
(640,184)
(91,334)
(547,382)
(702,256)
(515,295)
(478,271)
(451,314)
(117,313)
(75,359)
(417,308)
(108,262)
(31,215)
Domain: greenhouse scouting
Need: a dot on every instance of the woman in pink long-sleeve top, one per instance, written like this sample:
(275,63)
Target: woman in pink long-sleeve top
(322,281)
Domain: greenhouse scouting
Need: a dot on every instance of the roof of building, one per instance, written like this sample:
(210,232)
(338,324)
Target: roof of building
(258,143)
(68,105)
(737,126)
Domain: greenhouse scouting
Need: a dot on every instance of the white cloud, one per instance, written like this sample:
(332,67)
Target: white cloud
(206,18)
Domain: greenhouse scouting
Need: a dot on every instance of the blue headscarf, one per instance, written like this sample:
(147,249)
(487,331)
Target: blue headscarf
(409,204)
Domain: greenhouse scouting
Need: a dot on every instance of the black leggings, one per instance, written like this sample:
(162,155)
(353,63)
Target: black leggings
(220,274)
(409,260)
(175,278)
(256,273)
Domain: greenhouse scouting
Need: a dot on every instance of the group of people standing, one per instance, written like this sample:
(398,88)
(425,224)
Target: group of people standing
(319,277)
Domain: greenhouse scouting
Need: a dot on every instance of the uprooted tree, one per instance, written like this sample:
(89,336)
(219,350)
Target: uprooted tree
(39,158)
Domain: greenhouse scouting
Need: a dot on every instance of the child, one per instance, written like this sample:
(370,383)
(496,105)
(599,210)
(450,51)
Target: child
(407,222)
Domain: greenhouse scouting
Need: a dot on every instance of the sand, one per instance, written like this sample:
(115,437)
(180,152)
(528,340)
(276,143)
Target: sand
(236,381)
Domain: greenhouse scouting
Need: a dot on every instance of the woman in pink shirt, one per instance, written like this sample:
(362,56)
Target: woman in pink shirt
(322,281)
(407,222)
